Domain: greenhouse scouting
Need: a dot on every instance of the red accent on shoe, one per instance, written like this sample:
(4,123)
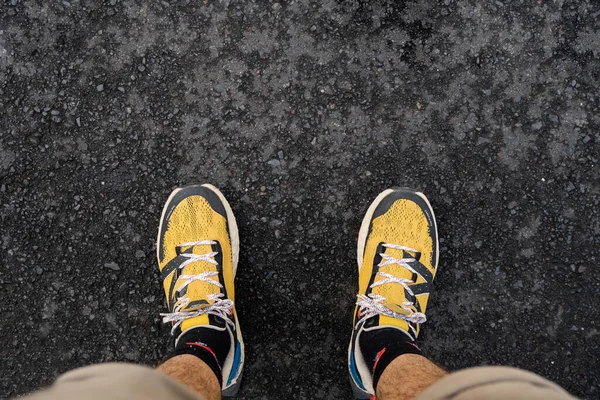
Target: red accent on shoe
(207,349)
(372,397)
(377,357)
(414,345)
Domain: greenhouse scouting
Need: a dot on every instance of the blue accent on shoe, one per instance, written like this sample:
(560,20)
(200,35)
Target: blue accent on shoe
(354,372)
(236,362)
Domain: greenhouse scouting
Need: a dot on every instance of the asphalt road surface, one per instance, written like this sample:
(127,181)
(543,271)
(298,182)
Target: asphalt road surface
(301,112)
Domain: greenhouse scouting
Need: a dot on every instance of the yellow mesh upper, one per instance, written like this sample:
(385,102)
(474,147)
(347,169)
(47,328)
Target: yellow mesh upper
(193,220)
(404,224)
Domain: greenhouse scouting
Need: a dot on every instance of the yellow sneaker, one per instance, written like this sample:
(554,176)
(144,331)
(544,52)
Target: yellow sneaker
(397,259)
(198,251)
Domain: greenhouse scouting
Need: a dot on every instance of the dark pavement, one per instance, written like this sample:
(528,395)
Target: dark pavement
(301,113)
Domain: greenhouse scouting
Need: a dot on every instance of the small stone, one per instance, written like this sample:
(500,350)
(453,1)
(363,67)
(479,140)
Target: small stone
(112,265)
(78,120)
(280,154)
(38,270)
(275,222)
(274,163)
(518,284)
(517,99)
(570,187)
(586,139)
(140,254)
(581,269)
(100,87)
(121,89)
(141,68)
(536,126)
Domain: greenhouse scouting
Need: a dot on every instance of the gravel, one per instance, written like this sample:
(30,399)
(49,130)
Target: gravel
(301,112)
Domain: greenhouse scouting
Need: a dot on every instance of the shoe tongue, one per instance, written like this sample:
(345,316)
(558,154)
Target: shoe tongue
(197,249)
(198,290)
(393,292)
(198,266)
(217,323)
(396,308)
(396,269)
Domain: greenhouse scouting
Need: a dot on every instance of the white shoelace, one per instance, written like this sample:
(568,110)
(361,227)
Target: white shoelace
(373,304)
(220,307)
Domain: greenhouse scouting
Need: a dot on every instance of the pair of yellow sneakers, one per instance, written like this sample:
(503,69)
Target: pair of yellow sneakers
(198,252)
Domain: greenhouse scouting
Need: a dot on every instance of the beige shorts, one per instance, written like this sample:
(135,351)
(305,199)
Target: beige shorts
(494,383)
(134,382)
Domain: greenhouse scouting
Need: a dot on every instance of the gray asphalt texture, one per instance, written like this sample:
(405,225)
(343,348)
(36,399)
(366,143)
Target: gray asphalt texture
(301,112)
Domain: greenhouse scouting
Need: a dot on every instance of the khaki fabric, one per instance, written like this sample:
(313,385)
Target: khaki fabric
(494,383)
(134,382)
(117,381)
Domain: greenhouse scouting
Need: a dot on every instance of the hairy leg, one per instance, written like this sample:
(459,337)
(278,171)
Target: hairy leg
(407,376)
(194,373)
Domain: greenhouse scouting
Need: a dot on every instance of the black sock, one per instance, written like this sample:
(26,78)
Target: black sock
(210,345)
(381,346)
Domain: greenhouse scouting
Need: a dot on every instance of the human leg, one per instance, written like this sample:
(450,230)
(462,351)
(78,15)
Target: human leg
(198,251)
(407,376)
(397,257)
(193,373)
